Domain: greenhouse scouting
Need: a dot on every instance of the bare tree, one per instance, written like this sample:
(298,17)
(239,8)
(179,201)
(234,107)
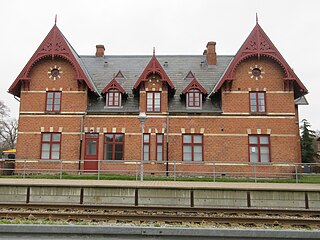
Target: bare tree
(8,133)
(4,110)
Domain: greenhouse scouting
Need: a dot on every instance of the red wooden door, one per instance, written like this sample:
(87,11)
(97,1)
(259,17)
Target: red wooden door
(91,152)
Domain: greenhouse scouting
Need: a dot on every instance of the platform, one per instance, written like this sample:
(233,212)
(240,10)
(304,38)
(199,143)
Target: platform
(161,193)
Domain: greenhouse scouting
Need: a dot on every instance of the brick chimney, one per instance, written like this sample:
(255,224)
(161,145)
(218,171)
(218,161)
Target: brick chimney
(100,51)
(210,52)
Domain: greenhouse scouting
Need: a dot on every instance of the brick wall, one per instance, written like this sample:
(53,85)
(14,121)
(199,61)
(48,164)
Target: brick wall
(225,136)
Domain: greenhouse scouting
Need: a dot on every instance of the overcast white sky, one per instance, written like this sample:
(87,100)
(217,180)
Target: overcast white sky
(172,26)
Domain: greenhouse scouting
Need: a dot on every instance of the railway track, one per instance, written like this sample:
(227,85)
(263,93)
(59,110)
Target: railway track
(170,215)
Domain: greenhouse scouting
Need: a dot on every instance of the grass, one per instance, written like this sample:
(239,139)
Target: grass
(311,178)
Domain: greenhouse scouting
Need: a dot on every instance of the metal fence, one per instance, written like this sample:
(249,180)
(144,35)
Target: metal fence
(175,170)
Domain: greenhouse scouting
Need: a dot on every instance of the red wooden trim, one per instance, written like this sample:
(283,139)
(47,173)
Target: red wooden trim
(87,138)
(160,145)
(119,75)
(113,143)
(113,84)
(196,94)
(54,45)
(257,45)
(114,93)
(53,104)
(194,84)
(50,142)
(153,101)
(258,145)
(153,67)
(257,101)
(146,143)
(190,75)
(192,144)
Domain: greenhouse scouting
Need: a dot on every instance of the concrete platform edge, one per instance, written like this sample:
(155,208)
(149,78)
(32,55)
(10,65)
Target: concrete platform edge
(25,229)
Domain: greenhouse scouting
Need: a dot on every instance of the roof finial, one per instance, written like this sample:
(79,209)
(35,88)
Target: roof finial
(55,20)
(154,51)
(257,18)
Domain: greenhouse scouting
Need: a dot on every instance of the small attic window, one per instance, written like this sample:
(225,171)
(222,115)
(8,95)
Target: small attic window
(190,76)
(119,75)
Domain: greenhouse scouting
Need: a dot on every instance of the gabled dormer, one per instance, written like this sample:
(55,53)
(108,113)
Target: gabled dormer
(114,94)
(194,94)
(54,47)
(258,46)
(153,88)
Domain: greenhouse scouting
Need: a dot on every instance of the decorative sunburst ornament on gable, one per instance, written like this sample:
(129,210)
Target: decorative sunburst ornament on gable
(55,72)
(256,72)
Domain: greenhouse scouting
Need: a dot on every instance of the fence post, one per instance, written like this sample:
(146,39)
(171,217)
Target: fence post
(214,171)
(136,170)
(174,170)
(60,168)
(24,167)
(296,168)
(98,169)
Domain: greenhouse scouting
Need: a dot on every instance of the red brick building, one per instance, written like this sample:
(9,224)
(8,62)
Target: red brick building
(200,108)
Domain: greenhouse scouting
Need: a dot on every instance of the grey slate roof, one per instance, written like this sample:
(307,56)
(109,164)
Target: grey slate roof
(103,69)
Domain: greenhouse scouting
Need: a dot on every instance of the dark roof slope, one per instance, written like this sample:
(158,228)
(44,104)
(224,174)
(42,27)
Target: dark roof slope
(103,69)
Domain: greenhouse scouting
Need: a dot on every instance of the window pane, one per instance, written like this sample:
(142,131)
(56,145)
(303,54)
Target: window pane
(264,140)
(254,154)
(46,137)
(253,96)
(261,96)
(49,95)
(44,155)
(55,155)
(55,148)
(159,152)
(57,101)
(109,137)
(253,109)
(45,147)
(146,152)
(56,137)
(118,152)
(198,153)
(146,137)
(253,140)
(49,101)
(187,153)
(108,151)
(91,147)
(119,137)
(264,154)
(159,138)
(57,95)
(57,107)
(186,138)
(262,109)
(197,139)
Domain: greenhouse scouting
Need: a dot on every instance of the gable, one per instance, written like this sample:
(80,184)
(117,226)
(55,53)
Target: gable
(54,45)
(154,67)
(259,45)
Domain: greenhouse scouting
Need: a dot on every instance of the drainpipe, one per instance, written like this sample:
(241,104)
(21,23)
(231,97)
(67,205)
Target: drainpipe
(167,144)
(81,140)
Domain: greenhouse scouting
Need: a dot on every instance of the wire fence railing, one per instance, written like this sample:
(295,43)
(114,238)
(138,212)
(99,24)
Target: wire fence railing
(175,170)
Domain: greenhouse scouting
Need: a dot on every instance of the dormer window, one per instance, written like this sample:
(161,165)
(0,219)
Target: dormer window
(114,93)
(194,97)
(194,94)
(113,98)
(153,101)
